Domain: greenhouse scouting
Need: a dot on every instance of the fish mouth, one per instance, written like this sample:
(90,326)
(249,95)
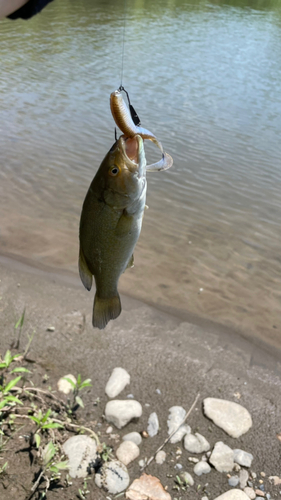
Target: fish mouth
(131,149)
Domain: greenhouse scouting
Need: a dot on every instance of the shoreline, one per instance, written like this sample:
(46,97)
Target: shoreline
(262,352)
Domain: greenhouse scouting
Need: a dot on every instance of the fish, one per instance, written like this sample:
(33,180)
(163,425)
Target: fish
(123,119)
(110,224)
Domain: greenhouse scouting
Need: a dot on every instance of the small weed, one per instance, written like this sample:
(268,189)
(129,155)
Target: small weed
(77,387)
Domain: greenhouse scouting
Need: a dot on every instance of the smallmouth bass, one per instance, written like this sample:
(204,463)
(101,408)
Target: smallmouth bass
(110,224)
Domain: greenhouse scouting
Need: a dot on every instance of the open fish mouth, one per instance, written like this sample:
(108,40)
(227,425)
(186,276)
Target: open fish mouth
(131,149)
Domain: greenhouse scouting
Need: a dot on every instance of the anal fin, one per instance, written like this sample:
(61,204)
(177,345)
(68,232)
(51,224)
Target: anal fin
(85,273)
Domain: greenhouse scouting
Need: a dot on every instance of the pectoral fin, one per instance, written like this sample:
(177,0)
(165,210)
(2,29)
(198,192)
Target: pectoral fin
(131,262)
(85,273)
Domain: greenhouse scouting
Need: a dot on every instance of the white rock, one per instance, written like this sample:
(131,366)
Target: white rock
(160,457)
(187,478)
(233,495)
(135,437)
(222,457)
(176,416)
(195,460)
(81,451)
(233,418)
(127,452)
(153,425)
(243,458)
(243,478)
(117,382)
(233,481)
(120,412)
(201,468)
(113,477)
(196,443)
(250,492)
(142,463)
(109,430)
(65,386)
(276,480)
(204,498)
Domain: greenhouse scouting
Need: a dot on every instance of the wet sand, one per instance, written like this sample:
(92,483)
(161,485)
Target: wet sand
(159,350)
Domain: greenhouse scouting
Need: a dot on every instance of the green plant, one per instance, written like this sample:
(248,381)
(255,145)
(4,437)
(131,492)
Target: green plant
(44,422)
(6,399)
(19,325)
(106,452)
(50,469)
(77,387)
(83,492)
(3,468)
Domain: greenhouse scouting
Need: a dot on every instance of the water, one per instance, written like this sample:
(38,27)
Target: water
(205,77)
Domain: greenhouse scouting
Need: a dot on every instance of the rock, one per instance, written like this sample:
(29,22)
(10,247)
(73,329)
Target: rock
(65,386)
(259,493)
(81,451)
(142,463)
(127,452)
(135,437)
(147,488)
(196,443)
(222,457)
(243,477)
(250,493)
(243,458)
(113,477)
(233,418)
(275,480)
(201,468)
(178,466)
(233,495)
(117,382)
(233,481)
(160,457)
(193,460)
(187,478)
(176,416)
(153,425)
(120,412)
(109,430)
(204,498)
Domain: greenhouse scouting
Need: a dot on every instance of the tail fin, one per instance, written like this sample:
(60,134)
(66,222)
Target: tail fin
(105,309)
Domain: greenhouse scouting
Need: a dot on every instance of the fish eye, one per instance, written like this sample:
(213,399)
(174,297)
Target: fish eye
(114,170)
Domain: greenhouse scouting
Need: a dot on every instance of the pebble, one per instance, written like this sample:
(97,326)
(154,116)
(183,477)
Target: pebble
(204,498)
(194,460)
(233,418)
(233,481)
(153,425)
(263,474)
(275,480)
(250,493)
(178,466)
(120,412)
(196,443)
(158,391)
(81,451)
(113,477)
(147,487)
(117,382)
(135,437)
(65,386)
(243,477)
(160,457)
(233,495)
(243,458)
(201,468)
(254,475)
(109,430)
(127,452)
(187,478)
(260,493)
(222,457)
(176,416)
(142,463)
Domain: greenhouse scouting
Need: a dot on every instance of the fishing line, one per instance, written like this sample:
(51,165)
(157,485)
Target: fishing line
(123,44)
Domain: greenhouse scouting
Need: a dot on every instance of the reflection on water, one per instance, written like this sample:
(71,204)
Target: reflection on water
(205,77)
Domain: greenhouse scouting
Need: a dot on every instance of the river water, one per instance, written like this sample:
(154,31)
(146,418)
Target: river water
(205,77)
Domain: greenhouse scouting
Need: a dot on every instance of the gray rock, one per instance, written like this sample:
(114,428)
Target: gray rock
(233,418)
(160,457)
(178,466)
(250,493)
(153,425)
(233,495)
(65,386)
(243,477)
(176,416)
(201,468)
(81,451)
(120,412)
(135,437)
(233,481)
(222,457)
(127,452)
(187,478)
(113,477)
(196,443)
(117,382)
(243,458)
